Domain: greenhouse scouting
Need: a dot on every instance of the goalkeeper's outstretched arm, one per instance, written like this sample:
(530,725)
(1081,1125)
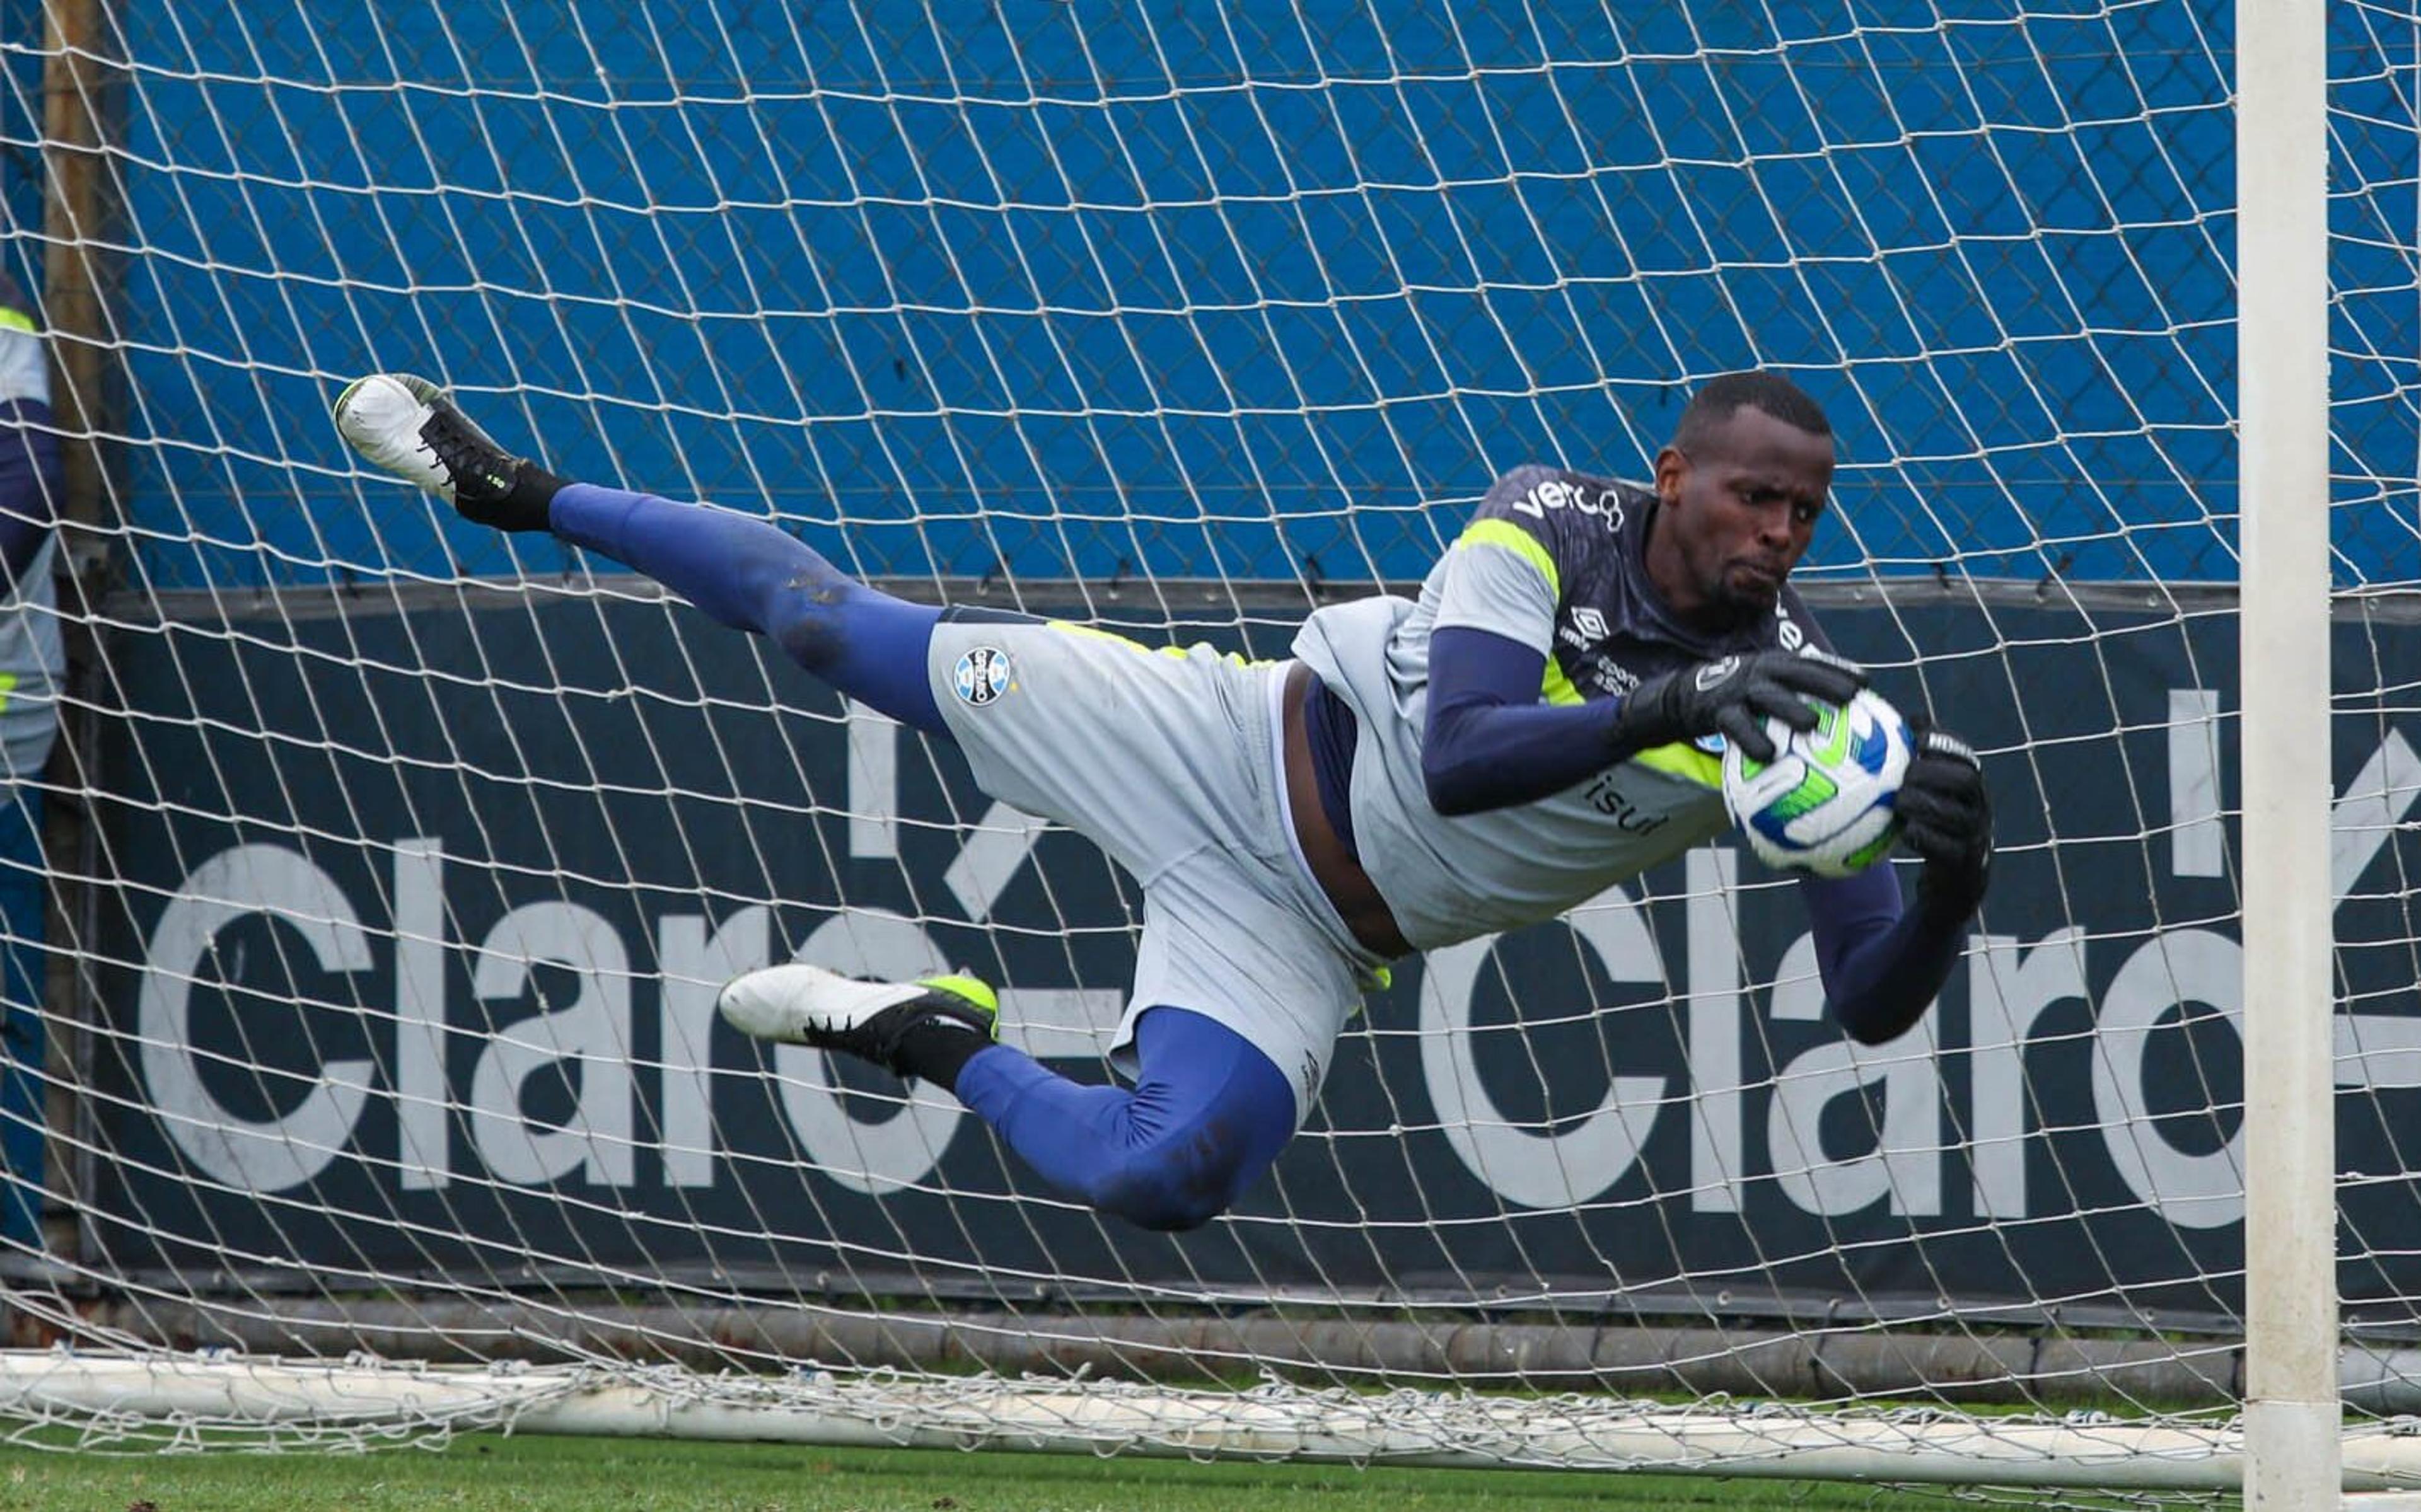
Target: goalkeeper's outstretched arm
(1883,964)
(1490,743)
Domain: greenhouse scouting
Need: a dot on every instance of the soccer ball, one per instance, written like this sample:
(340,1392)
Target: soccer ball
(1824,804)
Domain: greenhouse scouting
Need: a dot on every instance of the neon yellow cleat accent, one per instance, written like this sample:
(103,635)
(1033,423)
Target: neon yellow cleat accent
(977,994)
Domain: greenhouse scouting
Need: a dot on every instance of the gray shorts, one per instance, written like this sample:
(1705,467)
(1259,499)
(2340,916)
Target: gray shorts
(1170,760)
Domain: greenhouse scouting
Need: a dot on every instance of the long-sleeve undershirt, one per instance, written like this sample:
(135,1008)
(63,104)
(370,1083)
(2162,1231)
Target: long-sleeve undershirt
(1490,742)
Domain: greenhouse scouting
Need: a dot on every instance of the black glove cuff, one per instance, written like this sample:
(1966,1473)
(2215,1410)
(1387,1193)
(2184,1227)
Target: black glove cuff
(1949,893)
(1640,719)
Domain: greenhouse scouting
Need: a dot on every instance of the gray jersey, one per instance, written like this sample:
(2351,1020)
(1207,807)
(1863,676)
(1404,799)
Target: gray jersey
(33,662)
(33,659)
(1553,560)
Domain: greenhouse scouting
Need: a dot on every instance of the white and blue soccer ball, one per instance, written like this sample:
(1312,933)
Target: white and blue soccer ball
(1825,803)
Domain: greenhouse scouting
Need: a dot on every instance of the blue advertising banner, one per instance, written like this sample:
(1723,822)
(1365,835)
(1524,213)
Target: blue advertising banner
(420,981)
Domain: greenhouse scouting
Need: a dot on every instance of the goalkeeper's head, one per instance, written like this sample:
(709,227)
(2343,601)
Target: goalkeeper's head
(1740,489)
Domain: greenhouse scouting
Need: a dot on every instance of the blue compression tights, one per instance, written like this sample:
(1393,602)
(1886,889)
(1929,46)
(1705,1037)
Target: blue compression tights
(1206,1119)
(1211,1112)
(750,576)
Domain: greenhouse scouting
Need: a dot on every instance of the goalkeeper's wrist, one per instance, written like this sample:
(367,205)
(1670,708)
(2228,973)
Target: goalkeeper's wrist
(1637,715)
(1948,894)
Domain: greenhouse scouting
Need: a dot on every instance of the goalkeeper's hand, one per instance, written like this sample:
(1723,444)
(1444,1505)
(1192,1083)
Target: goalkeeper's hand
(1946,818)
(1734,697)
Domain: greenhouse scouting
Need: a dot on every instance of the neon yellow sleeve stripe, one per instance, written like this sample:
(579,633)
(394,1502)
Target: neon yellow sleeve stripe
(1685,761)
(1555,686)
(1069,627)
(15,320)
(1506,535)
(1095,632)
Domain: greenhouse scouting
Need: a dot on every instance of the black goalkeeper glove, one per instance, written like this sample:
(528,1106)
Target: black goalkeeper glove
(1734,697)
(1946,818)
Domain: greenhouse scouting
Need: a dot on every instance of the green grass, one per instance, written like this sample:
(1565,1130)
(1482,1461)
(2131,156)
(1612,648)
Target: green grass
(548,1474)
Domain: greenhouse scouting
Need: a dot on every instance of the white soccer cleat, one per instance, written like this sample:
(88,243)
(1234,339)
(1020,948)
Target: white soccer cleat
(407,426)
(802,1005)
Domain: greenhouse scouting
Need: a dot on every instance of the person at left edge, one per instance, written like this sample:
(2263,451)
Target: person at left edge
(32,663)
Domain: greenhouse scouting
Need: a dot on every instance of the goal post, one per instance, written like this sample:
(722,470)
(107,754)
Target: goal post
(2291,1412)
(387,1096)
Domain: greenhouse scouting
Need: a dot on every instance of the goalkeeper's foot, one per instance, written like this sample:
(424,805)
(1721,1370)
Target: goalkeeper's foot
(884,1022)
(410,427)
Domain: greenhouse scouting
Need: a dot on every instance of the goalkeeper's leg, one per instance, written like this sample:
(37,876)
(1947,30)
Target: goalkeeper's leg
(1211,1109)
(1209,1113)
(742,571)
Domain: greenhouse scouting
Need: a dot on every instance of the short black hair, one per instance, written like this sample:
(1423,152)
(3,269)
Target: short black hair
(1775,395)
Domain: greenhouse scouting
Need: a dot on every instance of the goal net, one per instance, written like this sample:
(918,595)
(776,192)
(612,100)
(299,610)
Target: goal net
(394,864)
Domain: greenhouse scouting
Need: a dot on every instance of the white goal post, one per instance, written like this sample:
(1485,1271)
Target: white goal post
(2292,1415)
(391,865)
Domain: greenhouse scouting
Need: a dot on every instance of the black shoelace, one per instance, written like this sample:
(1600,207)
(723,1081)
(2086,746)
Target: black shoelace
(481,473)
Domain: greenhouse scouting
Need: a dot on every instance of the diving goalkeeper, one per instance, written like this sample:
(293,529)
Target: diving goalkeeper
(1546,721)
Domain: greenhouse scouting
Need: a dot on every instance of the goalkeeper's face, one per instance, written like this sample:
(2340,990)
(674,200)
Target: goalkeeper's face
(1737,510)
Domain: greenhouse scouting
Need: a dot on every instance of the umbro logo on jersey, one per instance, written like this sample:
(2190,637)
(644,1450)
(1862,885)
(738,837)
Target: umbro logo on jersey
(1586,629)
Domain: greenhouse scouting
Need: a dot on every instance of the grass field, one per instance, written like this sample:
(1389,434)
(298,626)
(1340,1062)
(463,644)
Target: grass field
(542,1474)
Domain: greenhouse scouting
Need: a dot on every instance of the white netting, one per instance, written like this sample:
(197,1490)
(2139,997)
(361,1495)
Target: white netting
(409,857)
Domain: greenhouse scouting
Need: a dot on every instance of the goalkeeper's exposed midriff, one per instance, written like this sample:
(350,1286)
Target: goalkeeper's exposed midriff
(1339,873)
